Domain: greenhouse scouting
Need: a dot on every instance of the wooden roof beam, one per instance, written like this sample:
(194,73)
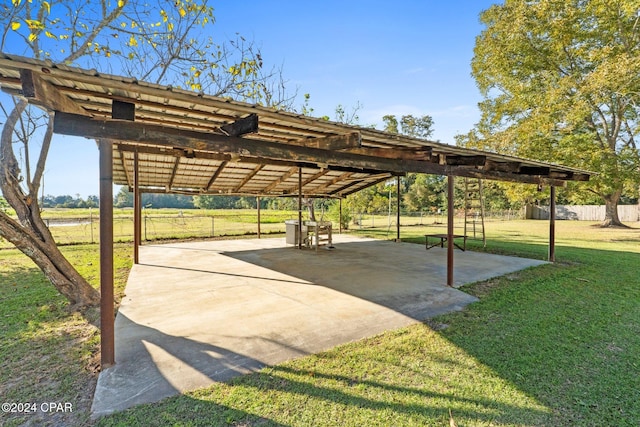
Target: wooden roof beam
(42,93)
(265,152)
(506,176)
(573,176)
(334,142)
(123,110)
(466,160)
(511,167)
(534,170)
(580,177)
(422,153)
(119,130)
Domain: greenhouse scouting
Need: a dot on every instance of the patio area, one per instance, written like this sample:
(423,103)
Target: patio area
(200,312)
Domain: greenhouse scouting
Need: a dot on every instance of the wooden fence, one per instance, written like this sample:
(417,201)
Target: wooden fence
(628,213)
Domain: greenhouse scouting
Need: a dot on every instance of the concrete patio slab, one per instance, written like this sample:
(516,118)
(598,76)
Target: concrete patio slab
(200,312)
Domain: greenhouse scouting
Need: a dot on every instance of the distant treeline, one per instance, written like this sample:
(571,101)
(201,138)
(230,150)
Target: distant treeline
(124,199)
(68,201)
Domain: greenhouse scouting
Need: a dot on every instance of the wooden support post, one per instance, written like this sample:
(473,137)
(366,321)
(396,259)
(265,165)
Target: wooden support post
(450,208)
(107,338)
(299,208)
(137,210)
(552,225)
(340,218)
(398,209)
(258,206)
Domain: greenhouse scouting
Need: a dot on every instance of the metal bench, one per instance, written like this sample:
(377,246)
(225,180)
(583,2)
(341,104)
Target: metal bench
(443,238)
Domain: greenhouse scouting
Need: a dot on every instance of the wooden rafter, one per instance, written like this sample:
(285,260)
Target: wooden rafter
(216,174)
(174,172)
(345,186)
(178,152)
(248,178)
(315,176)
(124,167)
(337,179)
(369,184)
(282,179)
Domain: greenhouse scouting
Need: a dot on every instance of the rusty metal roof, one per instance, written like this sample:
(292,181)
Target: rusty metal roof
(164,126)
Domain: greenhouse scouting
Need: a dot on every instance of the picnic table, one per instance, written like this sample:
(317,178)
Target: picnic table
(443,238)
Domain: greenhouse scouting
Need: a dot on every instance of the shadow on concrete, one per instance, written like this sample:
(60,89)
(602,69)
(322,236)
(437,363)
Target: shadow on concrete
(230,275)
(148,360)
(201,312)
(401,276)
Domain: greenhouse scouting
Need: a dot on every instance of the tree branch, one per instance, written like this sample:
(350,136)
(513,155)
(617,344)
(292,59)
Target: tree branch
(95,32)
(44,151)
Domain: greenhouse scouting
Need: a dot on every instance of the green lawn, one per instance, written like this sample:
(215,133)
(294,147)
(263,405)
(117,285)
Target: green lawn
(549,346)
(48,354)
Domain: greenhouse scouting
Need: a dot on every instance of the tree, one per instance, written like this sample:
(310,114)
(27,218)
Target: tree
(560,84)
(427,193)
(421,192)
(215,202)
(164,44)
(124,198)
(417,127)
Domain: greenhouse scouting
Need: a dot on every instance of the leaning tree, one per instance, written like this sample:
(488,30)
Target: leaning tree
(560,83)
(168,43)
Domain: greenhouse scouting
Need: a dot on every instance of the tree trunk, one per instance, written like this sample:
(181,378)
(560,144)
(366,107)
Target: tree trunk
(47,256)
(29,233)
(308,202)
(611,218)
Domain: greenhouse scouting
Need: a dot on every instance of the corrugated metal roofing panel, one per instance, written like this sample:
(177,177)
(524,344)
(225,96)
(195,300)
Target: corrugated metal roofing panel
(164,167)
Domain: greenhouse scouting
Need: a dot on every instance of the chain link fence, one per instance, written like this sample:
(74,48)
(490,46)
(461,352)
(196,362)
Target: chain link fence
(72,229)
(181,225)
(381,219)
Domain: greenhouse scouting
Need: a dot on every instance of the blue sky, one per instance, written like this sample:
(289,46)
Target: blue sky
(403,57)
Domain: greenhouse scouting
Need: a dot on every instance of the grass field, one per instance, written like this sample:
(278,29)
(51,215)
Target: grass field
(72,226)
(552,346)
